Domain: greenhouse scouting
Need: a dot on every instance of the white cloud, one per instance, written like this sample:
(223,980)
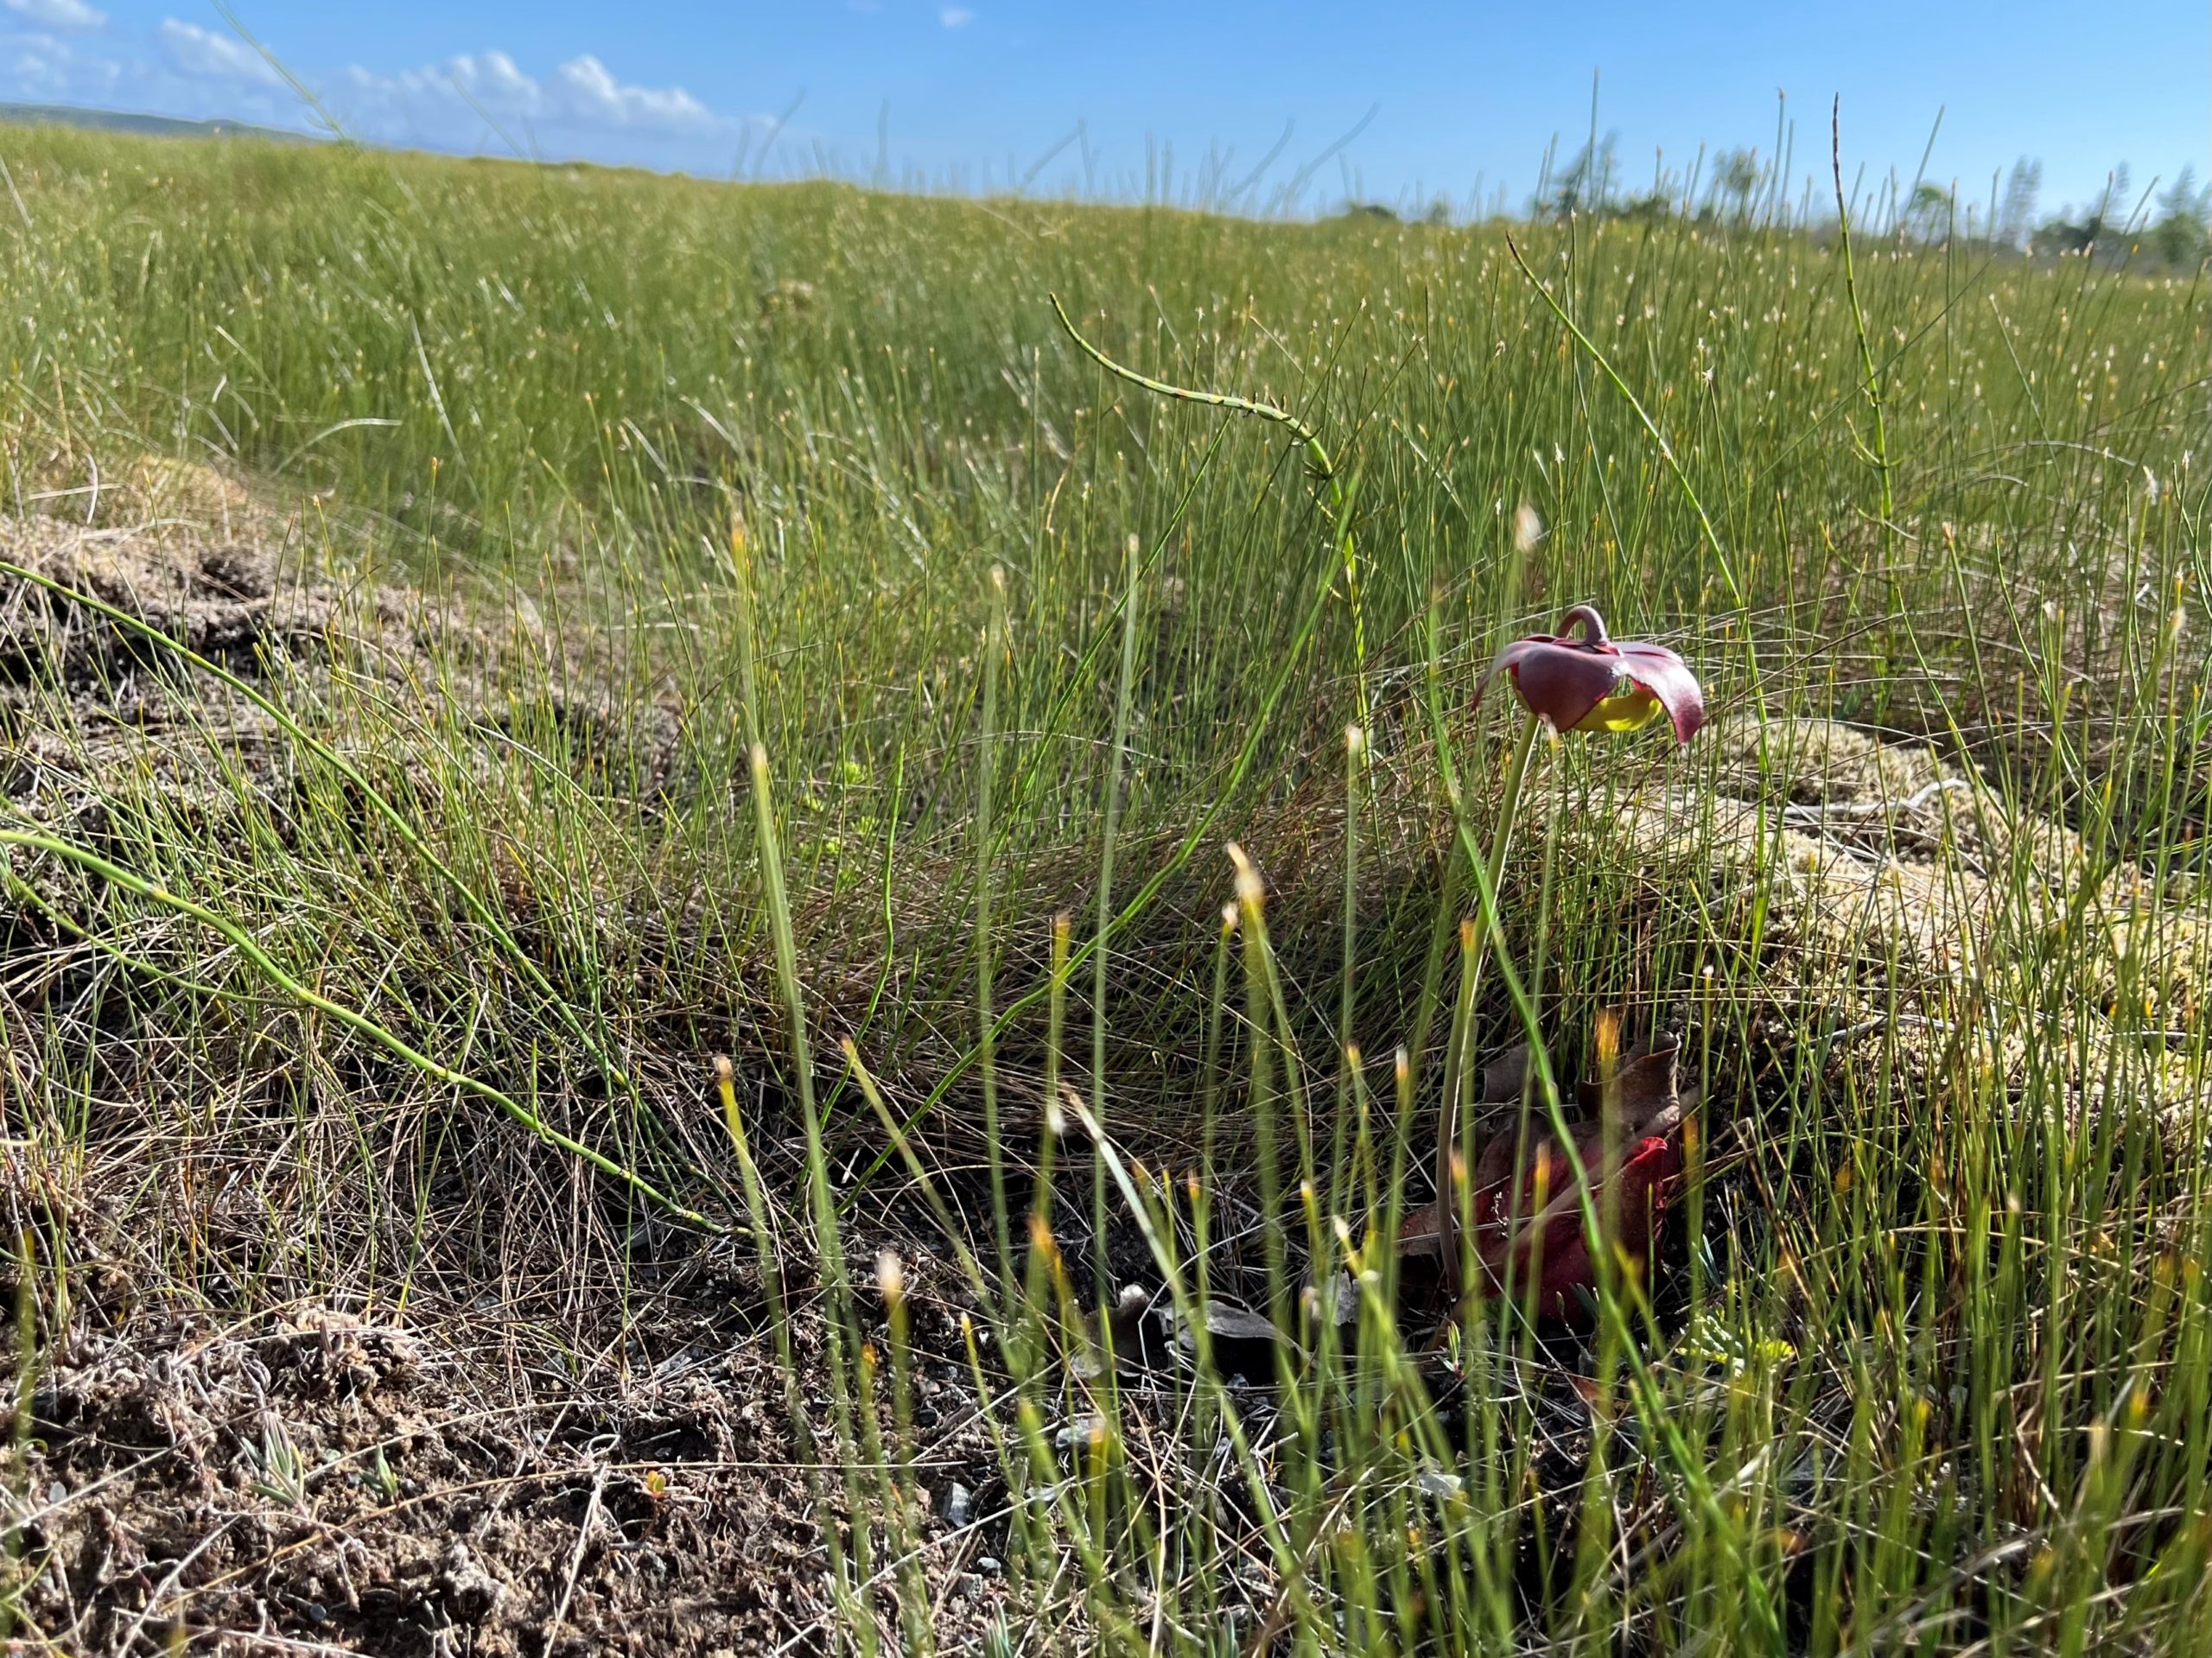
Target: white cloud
(585,90)
(488,82)
(956,17)
(46,69)
(449,102)
(201,52)
(475,101)
(490,79)
(58,14)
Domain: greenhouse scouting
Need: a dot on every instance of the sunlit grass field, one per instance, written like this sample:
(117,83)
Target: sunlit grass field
(836,668)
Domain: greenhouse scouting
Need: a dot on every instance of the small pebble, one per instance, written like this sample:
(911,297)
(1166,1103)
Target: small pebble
(1433,1483)
(986,1567)
(958,1501)
(57,1494)
(1079,1433)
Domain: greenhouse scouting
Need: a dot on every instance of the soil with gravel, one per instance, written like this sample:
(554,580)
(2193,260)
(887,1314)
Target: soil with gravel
(542,1443)
(425,1483)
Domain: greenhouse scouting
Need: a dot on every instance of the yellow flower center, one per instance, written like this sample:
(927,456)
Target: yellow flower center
(1630,707)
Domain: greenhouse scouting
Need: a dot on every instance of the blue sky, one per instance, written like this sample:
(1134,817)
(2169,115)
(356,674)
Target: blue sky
(1463,97)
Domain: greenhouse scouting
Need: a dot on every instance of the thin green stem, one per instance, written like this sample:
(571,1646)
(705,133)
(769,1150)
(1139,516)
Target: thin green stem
(1878,455)
(995,644)
(1460,1065)
(1658,438)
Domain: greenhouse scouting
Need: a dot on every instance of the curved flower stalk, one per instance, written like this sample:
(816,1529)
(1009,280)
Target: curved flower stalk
(1567,683)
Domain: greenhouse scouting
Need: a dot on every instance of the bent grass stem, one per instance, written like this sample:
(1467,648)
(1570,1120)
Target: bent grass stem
(1336,506)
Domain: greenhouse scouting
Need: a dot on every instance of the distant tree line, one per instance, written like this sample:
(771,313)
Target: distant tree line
(2178,232)
(1739,187)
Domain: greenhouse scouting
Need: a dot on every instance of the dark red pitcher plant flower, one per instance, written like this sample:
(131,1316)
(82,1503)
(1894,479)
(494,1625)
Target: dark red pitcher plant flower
(1599,684)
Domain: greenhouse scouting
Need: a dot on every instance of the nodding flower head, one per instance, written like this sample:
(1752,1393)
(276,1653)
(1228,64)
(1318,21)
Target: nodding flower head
(1598,683)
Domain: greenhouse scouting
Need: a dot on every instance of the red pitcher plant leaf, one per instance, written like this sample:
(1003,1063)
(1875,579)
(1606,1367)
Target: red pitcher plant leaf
(1525,1205)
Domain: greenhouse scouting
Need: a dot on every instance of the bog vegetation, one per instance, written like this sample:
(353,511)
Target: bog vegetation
(481,642)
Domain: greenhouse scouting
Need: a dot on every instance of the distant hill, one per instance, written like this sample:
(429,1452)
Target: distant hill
(165,126)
